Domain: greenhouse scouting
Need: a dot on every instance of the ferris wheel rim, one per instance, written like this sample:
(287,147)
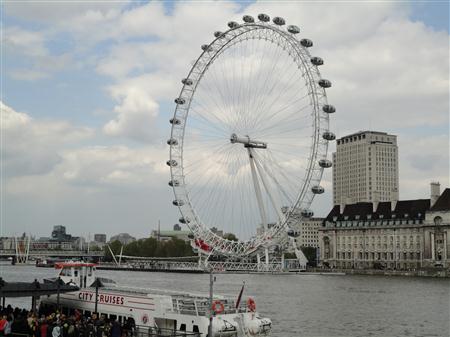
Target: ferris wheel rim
(314,172)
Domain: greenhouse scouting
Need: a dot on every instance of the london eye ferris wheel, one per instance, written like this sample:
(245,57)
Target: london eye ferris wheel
(249,135)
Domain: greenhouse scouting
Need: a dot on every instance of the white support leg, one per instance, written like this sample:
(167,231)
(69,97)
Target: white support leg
(266,251)
(275,203)
(27,252)
(259,198)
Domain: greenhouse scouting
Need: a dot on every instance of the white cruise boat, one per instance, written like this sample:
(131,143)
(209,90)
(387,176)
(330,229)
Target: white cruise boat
(157,310)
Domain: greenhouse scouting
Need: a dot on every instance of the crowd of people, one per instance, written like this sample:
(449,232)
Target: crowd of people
(50,323)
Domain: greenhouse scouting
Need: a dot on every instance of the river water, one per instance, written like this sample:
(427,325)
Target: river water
(309,305)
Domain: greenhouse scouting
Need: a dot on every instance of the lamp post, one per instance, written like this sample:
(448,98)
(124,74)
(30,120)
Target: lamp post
(97,284)
(211,313)
(58,288)
(2,284)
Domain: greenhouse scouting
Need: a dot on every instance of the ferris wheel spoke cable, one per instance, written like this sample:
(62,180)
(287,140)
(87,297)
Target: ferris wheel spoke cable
(213,82)
(273,134)
(207,199)
(271,72)
(272,175)
(206,119)
(259,84)
(192,164)
(214,202)
(256,106)
(280,170)
(270,116)
(200,117)
(296,115)
(276,204)
(224,119)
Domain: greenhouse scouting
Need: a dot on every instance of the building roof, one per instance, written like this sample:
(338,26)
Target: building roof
(443,202)
(172,233)
(27,289)
(404,209)
(367,131)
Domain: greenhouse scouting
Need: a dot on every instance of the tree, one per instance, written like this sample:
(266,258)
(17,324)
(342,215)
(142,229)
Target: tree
(230,236)
(150,247)
(115,247)
(310,254)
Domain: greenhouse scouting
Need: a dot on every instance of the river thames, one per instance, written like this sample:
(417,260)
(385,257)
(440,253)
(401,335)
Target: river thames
(308,305)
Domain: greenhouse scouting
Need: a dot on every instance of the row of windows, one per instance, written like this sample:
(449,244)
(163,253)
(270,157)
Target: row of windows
(345,239)
(380,255)
(374,223)
(410,246)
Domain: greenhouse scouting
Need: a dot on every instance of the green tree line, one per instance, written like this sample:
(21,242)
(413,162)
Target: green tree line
(150,247)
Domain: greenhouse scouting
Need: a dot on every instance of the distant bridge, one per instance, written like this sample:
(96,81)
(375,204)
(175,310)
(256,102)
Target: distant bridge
(24,248)
(52,253)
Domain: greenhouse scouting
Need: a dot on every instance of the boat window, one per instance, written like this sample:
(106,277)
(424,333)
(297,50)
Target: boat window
(183,327)
(112,317)
(76,273)
(87,313)
(195,328)
(65,272)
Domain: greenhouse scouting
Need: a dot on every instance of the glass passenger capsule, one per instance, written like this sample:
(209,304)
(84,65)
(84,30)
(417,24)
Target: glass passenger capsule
(325,163)
(172,141)
(317,61)
(248,19)
(307,213)
(171,163)
(293,29)
(180,100)
(325,83)
(328,135)
(174,183)
(233,24)
(184,220)
(178,202)
(186,81)
(306,43)
(263,17)
(206,47)
(328,108)
(278,21)
(317,189)
(292,233)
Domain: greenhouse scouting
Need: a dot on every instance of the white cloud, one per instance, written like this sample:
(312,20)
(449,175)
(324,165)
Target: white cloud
(31,45)
(426,160)
(30,147)
(100,166)
(56,12)
(136,111)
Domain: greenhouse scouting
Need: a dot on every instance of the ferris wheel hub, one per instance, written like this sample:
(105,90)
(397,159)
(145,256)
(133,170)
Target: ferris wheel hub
(247,141)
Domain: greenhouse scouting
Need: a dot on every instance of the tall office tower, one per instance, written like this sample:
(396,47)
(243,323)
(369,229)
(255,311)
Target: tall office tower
(365,168)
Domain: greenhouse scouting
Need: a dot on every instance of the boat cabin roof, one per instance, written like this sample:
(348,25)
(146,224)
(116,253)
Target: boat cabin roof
(61,265)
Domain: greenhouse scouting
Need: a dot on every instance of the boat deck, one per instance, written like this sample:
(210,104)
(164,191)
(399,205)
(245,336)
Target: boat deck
(185,303)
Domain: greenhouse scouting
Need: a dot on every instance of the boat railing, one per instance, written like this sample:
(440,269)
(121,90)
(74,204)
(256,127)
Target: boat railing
(200,307)
(142,331)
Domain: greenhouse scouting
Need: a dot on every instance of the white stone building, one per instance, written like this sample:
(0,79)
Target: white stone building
(405,234)
(307,230)
(123,238)
(365,168)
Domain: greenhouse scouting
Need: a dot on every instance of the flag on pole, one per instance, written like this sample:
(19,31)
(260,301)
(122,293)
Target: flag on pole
(240,295)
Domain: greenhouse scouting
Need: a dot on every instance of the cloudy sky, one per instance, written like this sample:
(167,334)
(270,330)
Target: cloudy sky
(88,87)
